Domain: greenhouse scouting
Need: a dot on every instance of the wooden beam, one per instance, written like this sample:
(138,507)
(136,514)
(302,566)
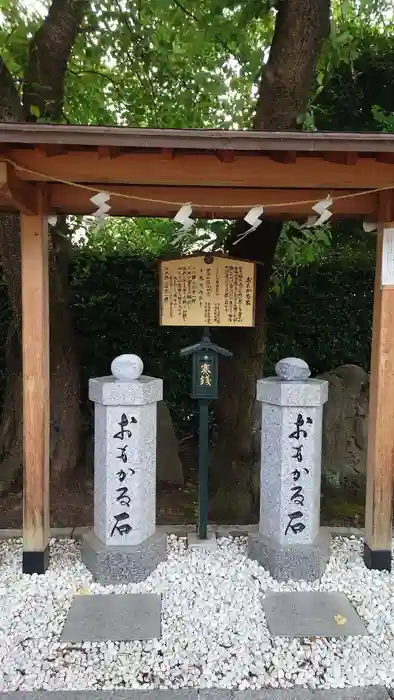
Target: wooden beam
(385,157)
(108,152)
(51,149)
(35,341)
(351,158)
(71,200)
(334,157)
(283,156)
(380,455)
(341,157)
(225,156)
(15,194)
(168,153)
(205,170)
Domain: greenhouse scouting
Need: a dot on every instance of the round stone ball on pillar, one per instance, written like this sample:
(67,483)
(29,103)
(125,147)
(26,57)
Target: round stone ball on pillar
(289,543)
(127,367)
(124,545)
(292,369)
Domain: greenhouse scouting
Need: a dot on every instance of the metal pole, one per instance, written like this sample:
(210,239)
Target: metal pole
(203,457)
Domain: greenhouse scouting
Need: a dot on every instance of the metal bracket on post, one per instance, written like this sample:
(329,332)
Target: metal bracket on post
(204,388)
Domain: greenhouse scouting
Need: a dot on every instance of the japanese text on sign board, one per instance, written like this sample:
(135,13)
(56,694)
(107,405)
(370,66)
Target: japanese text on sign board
(205,373)
(194,293)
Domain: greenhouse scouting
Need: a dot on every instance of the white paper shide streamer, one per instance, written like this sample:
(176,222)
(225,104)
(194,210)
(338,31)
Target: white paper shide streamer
(184,217)
(322,208)
(253,219)
(369,226)
(52,220)
(101,201)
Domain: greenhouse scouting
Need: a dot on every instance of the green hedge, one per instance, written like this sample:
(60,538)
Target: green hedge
(324,317)
(115,306)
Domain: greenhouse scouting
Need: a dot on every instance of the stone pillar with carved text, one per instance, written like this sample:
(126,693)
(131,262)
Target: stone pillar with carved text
(289,543)
(124,545)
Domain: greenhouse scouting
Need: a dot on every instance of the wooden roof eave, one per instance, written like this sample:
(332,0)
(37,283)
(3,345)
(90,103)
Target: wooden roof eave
(195,139)
(191,165)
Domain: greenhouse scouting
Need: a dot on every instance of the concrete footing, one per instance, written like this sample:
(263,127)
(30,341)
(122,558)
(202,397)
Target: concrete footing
(117,564)
(194,542)
(296,562)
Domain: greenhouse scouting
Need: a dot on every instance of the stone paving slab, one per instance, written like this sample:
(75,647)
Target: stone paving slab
(311,614)
(119,618)
(186,694)
(372,693)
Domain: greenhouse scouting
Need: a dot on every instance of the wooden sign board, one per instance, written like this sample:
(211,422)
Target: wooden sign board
(388,258)
(207,290)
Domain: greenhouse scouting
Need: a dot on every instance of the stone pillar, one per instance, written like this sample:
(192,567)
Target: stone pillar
(289,543)
(124,545)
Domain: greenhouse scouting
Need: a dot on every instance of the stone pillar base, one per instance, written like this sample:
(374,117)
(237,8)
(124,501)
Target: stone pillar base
(123,564)
(297,562)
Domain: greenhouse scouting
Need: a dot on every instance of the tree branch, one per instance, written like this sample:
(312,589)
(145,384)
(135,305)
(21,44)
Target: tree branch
(186,11)
(198,21)
(49,51)
(100,74)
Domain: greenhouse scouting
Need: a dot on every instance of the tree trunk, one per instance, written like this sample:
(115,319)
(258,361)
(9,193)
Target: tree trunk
(64,367)
(300,27)
(286,81)
(232,481)
(43,89)
(49,51)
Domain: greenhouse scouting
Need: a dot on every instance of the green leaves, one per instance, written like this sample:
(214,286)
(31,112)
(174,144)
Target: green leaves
(168,63)
(34,110)
(384,119)
(297,247)
(139,237)
(18,22)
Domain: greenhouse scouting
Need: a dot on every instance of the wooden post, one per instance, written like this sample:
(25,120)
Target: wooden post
(380,456)
(35,340)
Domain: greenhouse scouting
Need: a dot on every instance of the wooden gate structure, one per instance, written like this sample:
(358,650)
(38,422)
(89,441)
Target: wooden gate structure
(48,169)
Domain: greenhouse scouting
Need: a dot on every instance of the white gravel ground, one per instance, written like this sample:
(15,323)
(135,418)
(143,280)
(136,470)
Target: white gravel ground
(214,632)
